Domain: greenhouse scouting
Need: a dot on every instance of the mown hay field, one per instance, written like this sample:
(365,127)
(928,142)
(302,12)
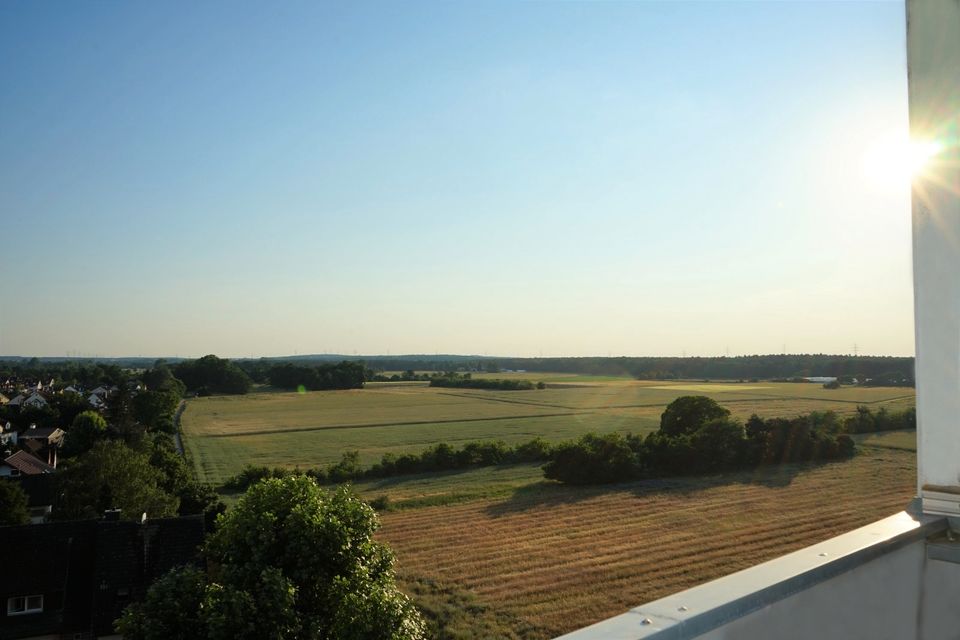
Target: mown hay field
(547,559)
(224,433)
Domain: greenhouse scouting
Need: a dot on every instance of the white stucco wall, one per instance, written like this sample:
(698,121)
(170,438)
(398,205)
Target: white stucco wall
(933,52)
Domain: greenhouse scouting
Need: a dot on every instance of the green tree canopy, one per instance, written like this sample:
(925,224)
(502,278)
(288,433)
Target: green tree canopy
(13,504)
(211,374)
(289,561)
(686,414)
(178,481)
(111,475)
(86,430)
(155,409)
(160,378)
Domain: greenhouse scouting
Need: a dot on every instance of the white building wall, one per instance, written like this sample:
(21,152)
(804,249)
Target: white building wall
(900,596)
(933,52)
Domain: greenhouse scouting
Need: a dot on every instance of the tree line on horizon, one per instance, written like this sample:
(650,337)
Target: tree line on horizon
(211,374)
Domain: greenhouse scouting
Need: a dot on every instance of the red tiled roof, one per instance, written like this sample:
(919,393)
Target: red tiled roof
(28,464)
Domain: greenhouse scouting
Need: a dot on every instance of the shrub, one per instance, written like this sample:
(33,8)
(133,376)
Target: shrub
(686,414)
(593,459)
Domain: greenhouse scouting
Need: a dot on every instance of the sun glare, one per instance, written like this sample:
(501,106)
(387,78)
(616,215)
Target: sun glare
(894,161)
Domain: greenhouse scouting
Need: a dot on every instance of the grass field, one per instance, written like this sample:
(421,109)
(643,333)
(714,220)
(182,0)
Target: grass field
(224,433)
(906,440)
(501,552)
(535,559)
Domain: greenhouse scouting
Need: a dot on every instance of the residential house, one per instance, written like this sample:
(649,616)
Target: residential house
(36,401)
(96,402)
(23,463)
(3,399)
(43,442)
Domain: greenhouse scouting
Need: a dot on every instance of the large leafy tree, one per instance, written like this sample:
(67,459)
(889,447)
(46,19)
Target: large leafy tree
(111,475)
(155,409)
(687,414)
(178,481)
(86,430)
(289,561)
(211,374)
(160,378)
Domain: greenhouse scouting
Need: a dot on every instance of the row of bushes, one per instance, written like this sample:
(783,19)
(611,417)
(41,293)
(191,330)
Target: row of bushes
(466,382)
(866,421)
(720,445)
(698,436)
(440,457)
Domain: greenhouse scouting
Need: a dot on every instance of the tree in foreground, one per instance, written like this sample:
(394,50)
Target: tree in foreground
(13,504)
(290,560)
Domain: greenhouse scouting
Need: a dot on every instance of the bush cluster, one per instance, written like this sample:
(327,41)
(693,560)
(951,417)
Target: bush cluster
(343,375)
(866,421)
(457,381)
(440,457)
(210,374)
(698,436)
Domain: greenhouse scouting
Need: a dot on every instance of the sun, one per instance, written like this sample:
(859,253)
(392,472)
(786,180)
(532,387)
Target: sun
(896,160)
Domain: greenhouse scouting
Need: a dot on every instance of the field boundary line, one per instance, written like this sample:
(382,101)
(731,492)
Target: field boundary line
(864,402)
(504,400)
(265,432)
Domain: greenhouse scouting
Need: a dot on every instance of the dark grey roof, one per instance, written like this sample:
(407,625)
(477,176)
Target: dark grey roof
(54,434)
(89,570)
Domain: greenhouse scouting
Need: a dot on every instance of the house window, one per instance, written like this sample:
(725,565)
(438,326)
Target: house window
(24,604)
(14,472)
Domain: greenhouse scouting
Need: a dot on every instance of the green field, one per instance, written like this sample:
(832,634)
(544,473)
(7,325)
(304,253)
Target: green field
(905,440)
(501,551)
(224,433)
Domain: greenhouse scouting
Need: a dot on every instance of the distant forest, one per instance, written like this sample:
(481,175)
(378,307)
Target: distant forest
(881,369)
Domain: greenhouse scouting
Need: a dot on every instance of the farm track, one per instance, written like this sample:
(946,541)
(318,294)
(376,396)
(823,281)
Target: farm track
(504,400)
(765,398)
(664,403)
(565,559)
(333,427)
(845,401)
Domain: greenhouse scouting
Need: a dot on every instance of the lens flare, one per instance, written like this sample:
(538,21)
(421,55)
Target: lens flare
(896,160)
(920,153)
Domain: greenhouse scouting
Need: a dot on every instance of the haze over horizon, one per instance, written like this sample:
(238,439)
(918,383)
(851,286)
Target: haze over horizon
(552,178)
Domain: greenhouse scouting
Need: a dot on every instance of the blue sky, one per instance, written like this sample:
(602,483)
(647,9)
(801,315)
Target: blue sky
(564,178)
